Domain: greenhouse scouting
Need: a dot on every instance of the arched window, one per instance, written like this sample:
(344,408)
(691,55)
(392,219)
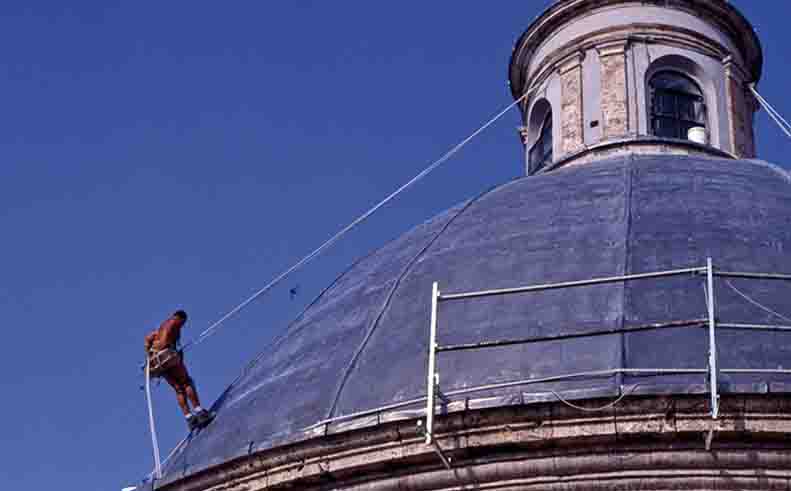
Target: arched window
(540,154)
(677,104)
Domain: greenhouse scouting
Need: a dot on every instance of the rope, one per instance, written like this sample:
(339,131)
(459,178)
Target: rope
(216,325)
(258,358)
(171,454)
(755,302)
(154,442)
(332,240)
(595,409)
(776,116)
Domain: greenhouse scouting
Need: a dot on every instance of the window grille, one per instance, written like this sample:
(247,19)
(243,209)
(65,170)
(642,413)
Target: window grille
(540,154)
(677,105)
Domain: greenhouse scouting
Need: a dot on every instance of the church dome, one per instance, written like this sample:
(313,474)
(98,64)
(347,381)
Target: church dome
(616,320)
(358,355)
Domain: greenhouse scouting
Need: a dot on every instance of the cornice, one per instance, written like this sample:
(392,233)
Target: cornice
(498,447)
(717,12)
(640,144)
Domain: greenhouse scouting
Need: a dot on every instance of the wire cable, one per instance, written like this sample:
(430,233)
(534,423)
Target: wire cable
(596,409)
(765,103)
(755,302)
(217,324)
(171,454)
(332,240)
(776,116)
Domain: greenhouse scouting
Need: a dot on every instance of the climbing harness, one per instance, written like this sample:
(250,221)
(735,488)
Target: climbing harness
(163,360)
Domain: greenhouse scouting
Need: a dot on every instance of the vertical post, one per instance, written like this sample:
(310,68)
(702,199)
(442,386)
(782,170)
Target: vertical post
(715,398)
(431,380)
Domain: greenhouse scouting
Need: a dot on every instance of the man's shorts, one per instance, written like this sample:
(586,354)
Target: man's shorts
(163,361)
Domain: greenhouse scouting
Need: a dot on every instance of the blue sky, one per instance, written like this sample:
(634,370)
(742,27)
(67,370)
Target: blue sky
(181,154)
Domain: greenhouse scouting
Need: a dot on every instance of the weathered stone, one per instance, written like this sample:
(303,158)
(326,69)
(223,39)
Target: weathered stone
(572,132)
(741,108)
(614,95)
(546,446)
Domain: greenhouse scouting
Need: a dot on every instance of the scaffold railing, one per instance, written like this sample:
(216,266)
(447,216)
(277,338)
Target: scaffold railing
(711,371)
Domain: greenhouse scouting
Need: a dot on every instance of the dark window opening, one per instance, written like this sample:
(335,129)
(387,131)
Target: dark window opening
(677,105)
(540,154)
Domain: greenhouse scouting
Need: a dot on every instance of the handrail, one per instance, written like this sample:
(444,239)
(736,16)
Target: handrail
(753,327)
(555,378)
(755,276)
(570,284)
(438,297)
(561,337)
(710,322)
(511,383)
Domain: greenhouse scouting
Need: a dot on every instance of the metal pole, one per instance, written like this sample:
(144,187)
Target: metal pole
(715,409)
(432,360)
(596,373)
(754,327)
(755,276)
(757,370)
(540,339)
(569,284)
(438,450)
(514,383)
(436,447)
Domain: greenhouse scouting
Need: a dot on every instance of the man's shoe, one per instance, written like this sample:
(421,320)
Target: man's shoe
(204,417)
(193,422)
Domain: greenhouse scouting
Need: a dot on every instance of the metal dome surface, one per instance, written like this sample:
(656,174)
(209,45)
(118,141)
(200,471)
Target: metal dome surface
(363,343)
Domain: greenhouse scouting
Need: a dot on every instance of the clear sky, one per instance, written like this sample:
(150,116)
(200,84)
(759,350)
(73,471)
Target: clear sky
(158,155)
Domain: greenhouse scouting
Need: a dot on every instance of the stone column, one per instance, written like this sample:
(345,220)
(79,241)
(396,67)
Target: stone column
(572,131)
(741,107)
(614,90)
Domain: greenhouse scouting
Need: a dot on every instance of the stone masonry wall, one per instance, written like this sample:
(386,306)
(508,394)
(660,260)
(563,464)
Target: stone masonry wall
(666,442)
(572,131)
(614,97)
(741,110)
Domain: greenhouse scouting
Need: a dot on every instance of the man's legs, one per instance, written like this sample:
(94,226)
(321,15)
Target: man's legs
(181,391)
(182,383)
(192,392)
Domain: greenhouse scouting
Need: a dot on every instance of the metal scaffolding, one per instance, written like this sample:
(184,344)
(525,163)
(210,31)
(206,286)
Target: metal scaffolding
(712,370)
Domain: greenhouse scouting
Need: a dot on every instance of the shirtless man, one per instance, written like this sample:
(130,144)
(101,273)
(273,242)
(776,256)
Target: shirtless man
(165,360)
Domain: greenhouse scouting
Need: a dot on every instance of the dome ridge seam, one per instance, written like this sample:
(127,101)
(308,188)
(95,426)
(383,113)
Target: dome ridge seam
(353,362)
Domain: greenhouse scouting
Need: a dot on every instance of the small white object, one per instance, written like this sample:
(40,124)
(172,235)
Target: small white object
(698,134)
(129,488)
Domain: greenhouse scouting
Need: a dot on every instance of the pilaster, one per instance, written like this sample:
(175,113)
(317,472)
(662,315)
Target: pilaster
(572,120)
(741,108)
(614,89)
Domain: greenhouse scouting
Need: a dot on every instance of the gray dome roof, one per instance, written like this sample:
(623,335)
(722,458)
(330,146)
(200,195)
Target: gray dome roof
(363,343)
